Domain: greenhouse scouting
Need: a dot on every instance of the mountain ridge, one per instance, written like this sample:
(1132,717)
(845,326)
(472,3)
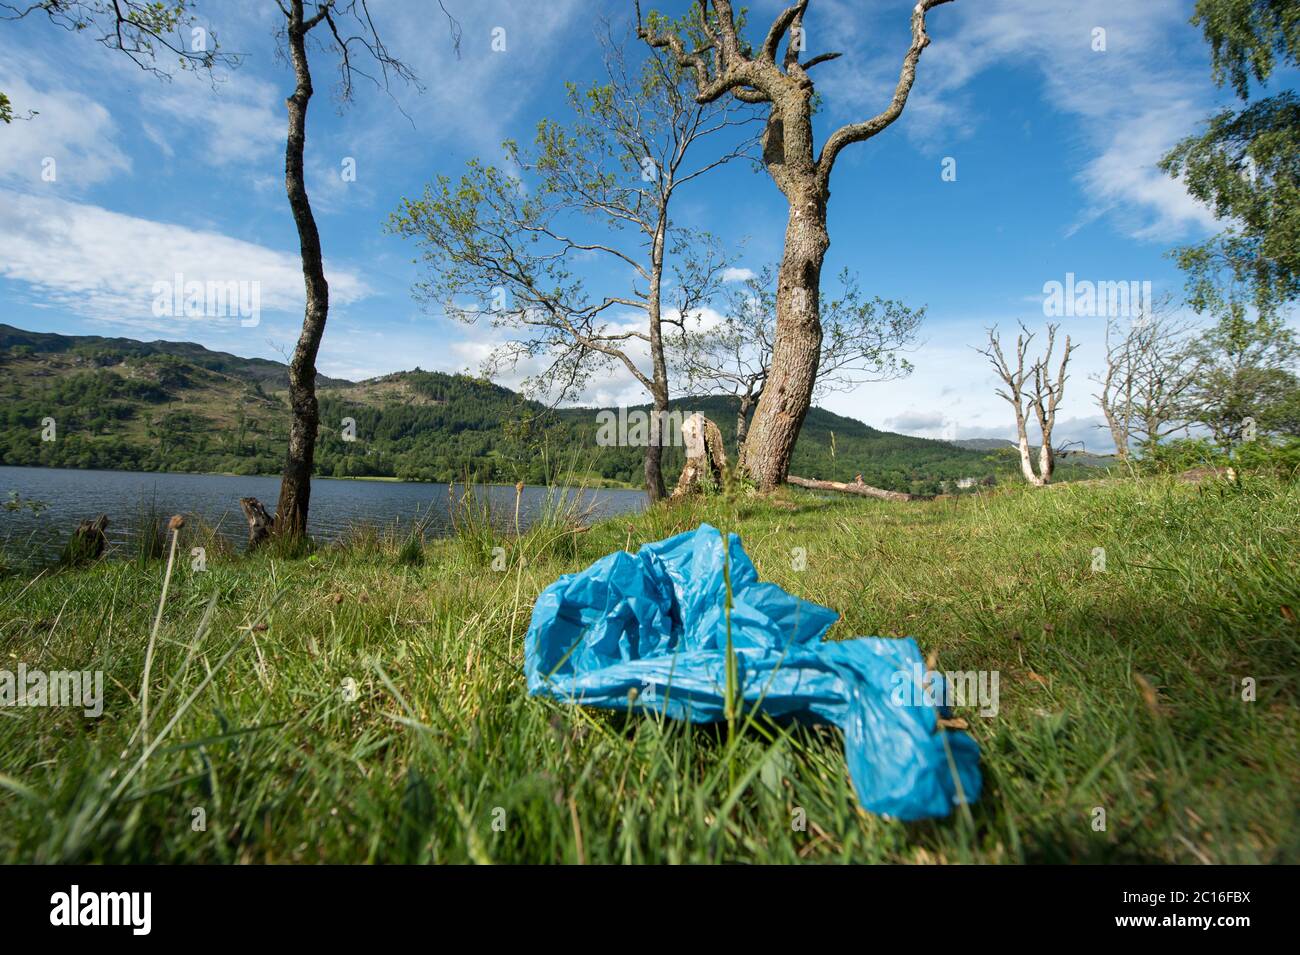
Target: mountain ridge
(123,403)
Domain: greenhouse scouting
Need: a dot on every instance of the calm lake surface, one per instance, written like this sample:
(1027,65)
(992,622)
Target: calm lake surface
(336,506)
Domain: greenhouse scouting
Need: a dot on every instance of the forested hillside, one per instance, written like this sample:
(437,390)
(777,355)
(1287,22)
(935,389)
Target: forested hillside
(166,406)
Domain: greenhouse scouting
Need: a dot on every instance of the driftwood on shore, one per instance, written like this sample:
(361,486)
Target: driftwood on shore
(87,542)
(259,522)
(856,487)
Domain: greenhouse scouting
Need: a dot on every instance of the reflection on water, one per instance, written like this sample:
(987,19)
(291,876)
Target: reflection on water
(125,496)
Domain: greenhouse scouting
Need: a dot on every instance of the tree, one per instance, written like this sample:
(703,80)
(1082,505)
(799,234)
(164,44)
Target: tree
(141,29)
(1115,397)
(1152,367)
(1244,383)
(725,65)
(1032,389)
(339,17)
(603,185)
(1245,165)
(860,343)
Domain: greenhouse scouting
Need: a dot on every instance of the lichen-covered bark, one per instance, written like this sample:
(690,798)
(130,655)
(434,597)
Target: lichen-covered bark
(787,393)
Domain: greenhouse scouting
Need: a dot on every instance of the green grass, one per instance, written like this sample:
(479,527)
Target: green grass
(1119,689)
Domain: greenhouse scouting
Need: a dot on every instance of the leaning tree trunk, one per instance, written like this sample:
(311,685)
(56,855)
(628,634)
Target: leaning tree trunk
(1116,433)
(295,484)
(742,420)
(787,393)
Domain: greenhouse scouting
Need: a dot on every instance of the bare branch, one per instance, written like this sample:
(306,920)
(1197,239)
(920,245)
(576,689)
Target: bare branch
(857,132)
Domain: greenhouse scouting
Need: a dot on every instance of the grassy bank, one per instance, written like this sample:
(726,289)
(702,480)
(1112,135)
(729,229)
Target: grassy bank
(367,703)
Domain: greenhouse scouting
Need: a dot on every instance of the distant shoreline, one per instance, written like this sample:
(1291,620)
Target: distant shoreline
(604,485)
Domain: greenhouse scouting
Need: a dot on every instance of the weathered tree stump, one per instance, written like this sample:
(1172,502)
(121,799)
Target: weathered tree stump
(87,542)
(259,522)
(706,458)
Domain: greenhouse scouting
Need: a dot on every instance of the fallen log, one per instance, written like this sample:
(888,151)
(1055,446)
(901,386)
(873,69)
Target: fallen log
(856,487)
(259,522)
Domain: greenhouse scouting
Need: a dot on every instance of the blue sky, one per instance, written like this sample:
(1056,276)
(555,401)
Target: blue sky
(1055,146)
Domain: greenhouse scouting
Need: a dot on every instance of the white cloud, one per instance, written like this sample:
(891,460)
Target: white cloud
(103,265)
(71,129)
(238,119)
(1132,102)
(910,422)
(734,274)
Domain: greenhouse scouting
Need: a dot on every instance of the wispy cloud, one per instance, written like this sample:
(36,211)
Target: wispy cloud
(103,265)
(469,99)
(68,147)
(1131,100)
(236,120)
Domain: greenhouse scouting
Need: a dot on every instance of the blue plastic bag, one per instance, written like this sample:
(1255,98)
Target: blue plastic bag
(655,622)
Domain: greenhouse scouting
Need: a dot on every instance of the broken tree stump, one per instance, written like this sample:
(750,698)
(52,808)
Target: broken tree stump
(259,522)
(87,542)
(706,458)
(856,487)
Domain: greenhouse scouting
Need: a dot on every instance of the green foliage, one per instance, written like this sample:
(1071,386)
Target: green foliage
(143,30)
(1247,37)
(16,503)
(1246,165)
(862,340)
(1245,382)
(1279,458)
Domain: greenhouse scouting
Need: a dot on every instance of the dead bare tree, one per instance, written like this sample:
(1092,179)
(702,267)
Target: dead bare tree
(1033,390)
(724,64)
(1151,367)
(1115,394)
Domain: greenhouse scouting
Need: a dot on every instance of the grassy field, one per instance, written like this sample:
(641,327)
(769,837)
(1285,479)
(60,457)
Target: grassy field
(367,703)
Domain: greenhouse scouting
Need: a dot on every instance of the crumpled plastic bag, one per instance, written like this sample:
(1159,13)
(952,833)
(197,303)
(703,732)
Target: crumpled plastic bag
(655,622)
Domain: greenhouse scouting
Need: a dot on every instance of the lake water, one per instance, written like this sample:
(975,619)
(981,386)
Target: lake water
(336,506)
